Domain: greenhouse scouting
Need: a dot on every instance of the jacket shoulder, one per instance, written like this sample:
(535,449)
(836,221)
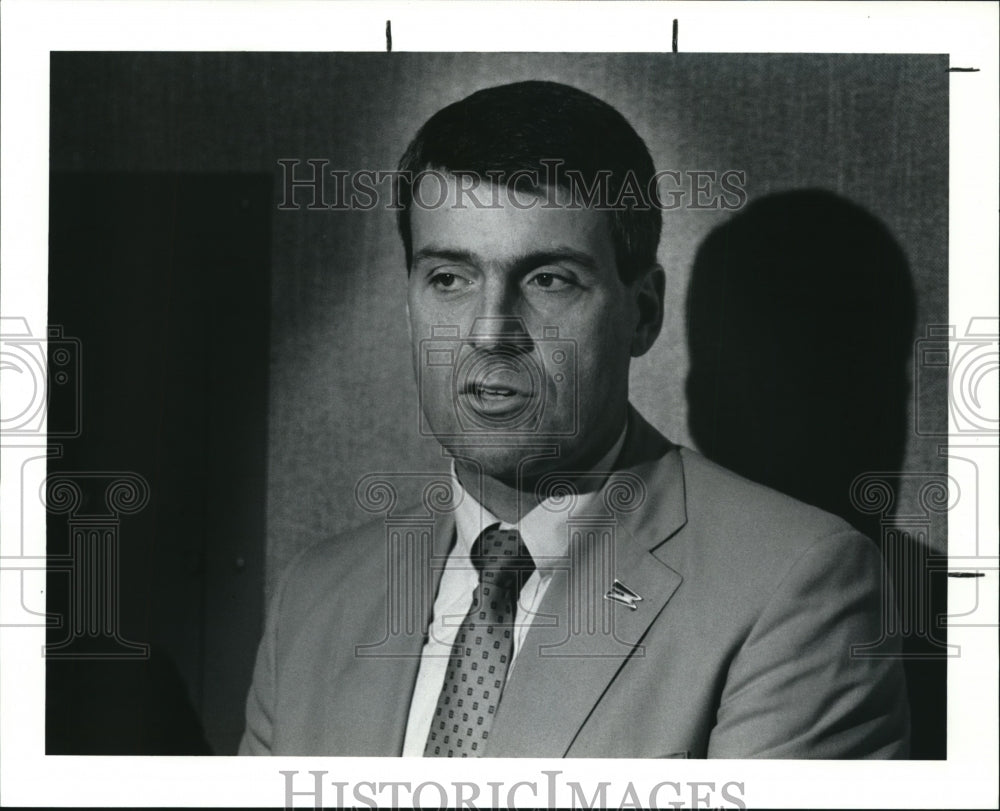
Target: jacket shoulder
(717,491)
(756,531)
(332,567)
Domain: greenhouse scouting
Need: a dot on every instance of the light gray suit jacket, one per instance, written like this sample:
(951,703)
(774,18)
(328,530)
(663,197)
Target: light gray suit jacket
(739,648)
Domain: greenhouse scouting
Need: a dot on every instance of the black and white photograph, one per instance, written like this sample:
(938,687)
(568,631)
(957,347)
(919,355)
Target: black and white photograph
(569,406)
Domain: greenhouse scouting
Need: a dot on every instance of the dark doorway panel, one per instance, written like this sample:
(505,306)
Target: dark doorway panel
(164,281)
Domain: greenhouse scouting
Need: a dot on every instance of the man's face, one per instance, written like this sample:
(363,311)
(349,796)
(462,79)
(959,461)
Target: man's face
(522,331)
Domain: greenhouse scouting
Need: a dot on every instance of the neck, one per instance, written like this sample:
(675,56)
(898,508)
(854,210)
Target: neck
(510,500)
(507,502)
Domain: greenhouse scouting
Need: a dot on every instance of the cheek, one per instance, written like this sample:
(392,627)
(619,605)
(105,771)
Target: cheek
(421,318)
(602,362)
(610,337)
(424,312)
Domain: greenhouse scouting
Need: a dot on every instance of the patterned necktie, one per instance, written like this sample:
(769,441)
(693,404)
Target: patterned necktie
(482,651)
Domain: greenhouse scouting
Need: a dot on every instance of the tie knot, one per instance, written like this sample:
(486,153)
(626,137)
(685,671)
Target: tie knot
(501,556)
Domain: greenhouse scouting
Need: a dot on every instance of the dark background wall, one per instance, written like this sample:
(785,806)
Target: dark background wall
(870,129)
(157,506)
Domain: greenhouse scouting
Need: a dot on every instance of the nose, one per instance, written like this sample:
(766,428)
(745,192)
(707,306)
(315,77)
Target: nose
(490,329)
(504,334)
(498,321)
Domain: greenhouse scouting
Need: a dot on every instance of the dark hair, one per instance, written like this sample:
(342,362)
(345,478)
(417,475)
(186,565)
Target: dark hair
(504,132)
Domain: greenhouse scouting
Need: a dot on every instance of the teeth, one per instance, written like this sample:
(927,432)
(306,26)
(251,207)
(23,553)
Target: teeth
(494,391)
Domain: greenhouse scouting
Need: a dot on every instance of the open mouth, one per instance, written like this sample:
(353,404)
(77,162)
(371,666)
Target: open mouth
(493,397)
(493,391)
(499,391)
(497,384)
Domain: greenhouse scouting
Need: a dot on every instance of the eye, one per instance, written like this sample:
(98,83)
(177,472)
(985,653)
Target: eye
(448,282)
(550,281)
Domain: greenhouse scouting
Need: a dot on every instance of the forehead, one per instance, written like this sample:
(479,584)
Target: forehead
(497,223)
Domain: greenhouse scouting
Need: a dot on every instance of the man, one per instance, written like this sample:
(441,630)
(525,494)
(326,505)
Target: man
(589,589)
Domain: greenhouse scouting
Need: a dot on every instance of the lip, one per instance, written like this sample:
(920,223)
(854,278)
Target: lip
(495,402)
(498,385)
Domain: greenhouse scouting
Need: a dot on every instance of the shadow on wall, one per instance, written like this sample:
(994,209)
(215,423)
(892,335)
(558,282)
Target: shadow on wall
(800,319)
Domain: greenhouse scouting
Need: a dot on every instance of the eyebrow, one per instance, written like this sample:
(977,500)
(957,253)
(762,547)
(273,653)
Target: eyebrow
(465,257)
(522,263)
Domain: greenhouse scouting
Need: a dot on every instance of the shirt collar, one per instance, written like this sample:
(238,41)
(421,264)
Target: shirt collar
(543,529)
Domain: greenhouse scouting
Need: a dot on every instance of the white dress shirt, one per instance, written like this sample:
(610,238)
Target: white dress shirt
(545,534)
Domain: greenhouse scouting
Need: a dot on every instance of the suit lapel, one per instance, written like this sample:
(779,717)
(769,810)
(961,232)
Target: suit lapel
(566,664)
(579,640)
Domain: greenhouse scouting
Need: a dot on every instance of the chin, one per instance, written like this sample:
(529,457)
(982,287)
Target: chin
(507,463)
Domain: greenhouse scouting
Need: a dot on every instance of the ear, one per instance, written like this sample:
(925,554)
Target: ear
(648,292)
